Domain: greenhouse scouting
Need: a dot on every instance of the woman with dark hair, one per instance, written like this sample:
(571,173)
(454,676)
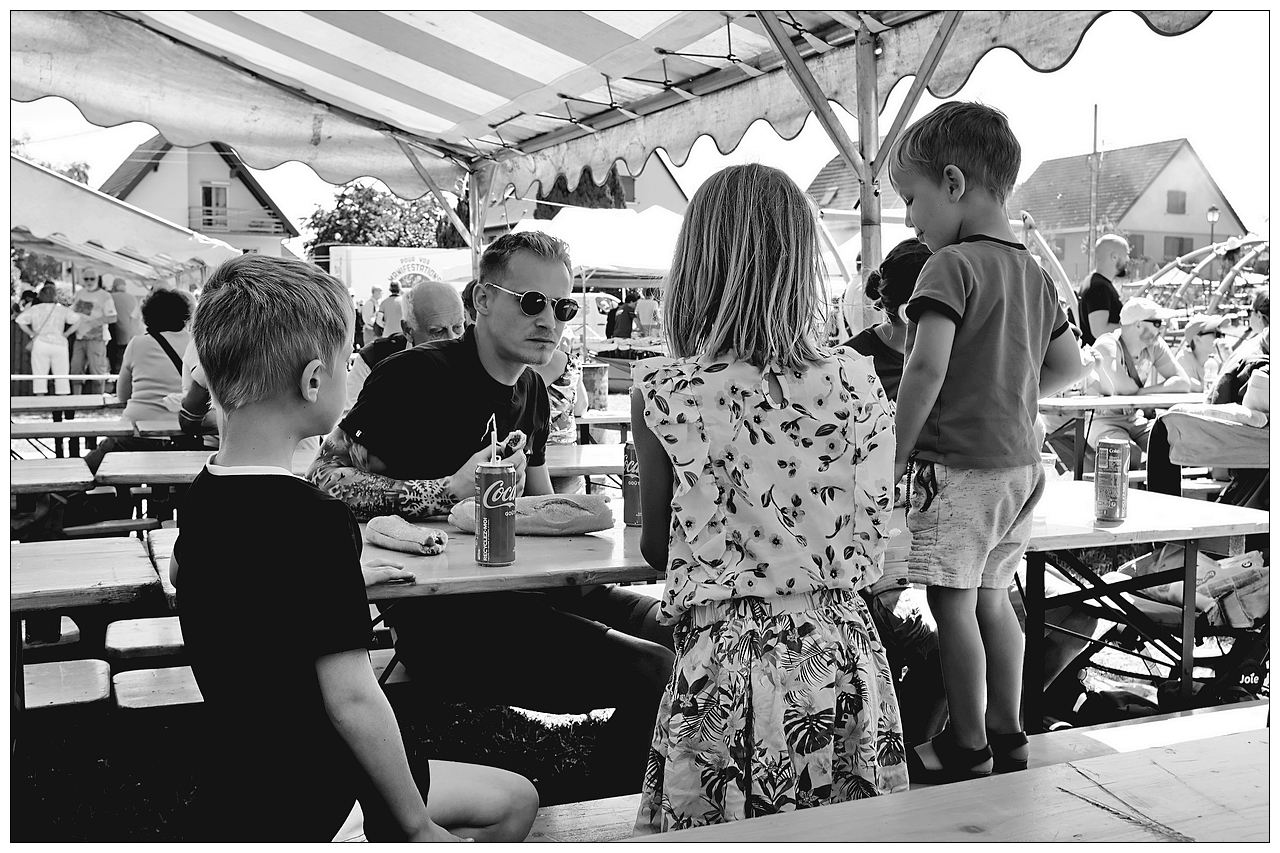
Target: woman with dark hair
(150,370)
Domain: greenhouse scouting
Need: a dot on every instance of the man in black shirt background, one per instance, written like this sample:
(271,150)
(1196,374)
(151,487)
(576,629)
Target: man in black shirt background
(1099,300)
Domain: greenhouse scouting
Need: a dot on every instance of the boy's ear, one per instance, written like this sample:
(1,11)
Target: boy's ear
(953,182)
(312,375)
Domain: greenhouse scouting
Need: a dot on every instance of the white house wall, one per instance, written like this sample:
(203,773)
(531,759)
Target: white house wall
(1149,215)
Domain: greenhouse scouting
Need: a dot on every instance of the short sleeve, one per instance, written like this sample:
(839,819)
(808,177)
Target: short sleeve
(1163,360)
(370,420)
(541,421)
(944,286)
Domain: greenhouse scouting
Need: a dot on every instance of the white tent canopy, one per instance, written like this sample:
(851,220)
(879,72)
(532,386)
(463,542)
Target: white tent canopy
(614,243)
(54,215)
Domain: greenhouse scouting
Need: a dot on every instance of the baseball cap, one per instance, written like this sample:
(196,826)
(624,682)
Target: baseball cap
(1203,323)
(1140,308)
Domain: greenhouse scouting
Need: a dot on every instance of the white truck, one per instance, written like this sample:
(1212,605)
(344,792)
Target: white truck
(363,268)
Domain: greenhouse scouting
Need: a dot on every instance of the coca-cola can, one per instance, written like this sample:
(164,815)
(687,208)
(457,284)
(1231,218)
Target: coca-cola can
(630,486)
(495,514)
(1111,480)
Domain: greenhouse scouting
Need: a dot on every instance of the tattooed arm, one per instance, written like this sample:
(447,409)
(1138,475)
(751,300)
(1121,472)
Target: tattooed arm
(346,470)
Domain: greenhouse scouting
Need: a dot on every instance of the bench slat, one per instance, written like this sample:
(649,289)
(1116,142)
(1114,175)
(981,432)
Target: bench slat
(144,638)
(154,688)
(66,683)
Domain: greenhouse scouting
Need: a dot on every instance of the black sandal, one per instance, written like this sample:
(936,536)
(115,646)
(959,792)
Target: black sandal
(1003,747)
(958,763)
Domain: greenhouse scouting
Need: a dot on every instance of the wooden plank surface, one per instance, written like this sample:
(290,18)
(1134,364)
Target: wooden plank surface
(574,460)
(603,418)
(69,429)
(78,573)
(168,467)
(1216,789)
(36,476)
(1064,519)
(541,561)
(64,403)
(159,427)
(1116,405)
(160,546)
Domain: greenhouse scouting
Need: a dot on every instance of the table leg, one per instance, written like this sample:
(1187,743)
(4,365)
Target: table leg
(57,442)
(73,444)
(584,434)
(1080,448)
(1190,557)
(1033,654)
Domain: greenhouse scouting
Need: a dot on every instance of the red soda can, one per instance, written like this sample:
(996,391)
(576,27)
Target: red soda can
(1111,480)
(495,514)
(630,486)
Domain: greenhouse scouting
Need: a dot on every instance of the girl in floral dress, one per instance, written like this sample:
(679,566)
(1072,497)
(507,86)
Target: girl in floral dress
(765,476)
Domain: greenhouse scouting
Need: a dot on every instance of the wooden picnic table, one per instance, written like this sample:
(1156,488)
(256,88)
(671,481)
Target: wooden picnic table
(52,576)
(168,467)
(1081,406)
(179,467)
(610,556)
(159,428)
(1064,521)
(58,403)
(38,476)
(1215,789)
(70,429)
(602,419)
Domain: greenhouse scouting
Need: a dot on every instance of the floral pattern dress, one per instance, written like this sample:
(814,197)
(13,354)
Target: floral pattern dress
(781,696)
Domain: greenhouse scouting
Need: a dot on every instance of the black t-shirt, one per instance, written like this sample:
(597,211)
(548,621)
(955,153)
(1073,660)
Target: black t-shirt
(424,412)
(275,766)
(1098,295)
(888,361)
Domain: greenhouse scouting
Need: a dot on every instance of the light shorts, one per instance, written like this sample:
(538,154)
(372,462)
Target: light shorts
(976,529)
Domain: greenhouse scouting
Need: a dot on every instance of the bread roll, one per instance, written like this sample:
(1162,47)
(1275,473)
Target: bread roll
(546,515)
(393,532)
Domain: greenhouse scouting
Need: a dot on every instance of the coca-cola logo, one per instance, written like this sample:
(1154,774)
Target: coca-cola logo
(498,496)
(631,468)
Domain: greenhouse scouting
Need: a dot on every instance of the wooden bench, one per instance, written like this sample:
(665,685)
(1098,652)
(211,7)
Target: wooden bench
(66,684)
(613,819)
(168,687)
(68,633)
(131,643)
(112,527)
(381,660)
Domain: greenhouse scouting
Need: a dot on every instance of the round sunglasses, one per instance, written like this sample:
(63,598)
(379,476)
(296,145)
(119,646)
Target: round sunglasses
(532,302)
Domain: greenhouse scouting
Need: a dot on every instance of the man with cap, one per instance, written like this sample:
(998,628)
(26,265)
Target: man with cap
(433,313)
(1134,360)
(1198,355)
(1099,300)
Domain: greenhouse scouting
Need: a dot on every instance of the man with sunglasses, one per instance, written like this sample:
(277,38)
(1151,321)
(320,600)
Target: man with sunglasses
(410,447)
(1134,360)
(1198,355)
(89,352)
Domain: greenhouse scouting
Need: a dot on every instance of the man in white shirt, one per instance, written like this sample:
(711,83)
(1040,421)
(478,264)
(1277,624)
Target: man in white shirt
(98,311)
(369,314)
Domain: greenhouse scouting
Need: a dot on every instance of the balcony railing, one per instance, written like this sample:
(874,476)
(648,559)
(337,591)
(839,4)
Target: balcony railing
(254,220)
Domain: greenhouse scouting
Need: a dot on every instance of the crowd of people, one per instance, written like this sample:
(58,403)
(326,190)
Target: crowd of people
(768,676)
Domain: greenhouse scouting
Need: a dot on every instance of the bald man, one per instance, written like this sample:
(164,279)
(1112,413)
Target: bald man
(430,311)
(1099,300)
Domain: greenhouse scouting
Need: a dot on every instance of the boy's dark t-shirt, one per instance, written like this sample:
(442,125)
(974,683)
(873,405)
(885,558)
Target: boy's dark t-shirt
(275,767)
(424,412)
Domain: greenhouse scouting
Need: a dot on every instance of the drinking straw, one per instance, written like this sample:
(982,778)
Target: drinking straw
(492,429)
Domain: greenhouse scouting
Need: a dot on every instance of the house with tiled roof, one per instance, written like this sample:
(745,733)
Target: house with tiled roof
(1157,196)
(837,193)
(206,188)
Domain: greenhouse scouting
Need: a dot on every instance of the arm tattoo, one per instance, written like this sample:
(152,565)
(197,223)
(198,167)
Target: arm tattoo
(342,468)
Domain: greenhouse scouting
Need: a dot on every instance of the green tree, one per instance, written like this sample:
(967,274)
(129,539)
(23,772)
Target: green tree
(367,216)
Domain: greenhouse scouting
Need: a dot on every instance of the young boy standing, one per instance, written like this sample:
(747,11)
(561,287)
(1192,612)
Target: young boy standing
(988,342)
(300,734)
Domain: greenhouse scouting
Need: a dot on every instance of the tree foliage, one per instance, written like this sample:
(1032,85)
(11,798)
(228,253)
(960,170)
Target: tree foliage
(367,216)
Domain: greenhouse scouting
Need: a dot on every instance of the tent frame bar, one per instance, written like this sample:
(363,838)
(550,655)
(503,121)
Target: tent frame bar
(435,190)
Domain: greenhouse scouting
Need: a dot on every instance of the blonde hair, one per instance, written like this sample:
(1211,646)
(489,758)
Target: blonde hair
(745,275)
(261,320)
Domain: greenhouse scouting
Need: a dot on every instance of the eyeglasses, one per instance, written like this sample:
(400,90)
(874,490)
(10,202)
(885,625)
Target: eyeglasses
(533,302)
(1156,323)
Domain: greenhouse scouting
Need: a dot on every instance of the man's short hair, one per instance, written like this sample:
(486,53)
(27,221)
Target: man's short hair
(974,137)
(493,263)
(165,311)
(261,320)
(468,299)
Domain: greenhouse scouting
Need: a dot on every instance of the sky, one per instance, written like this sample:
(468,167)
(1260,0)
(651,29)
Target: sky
(1209,86)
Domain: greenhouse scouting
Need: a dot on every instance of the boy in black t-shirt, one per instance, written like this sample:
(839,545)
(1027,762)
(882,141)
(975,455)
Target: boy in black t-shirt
(297,738)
